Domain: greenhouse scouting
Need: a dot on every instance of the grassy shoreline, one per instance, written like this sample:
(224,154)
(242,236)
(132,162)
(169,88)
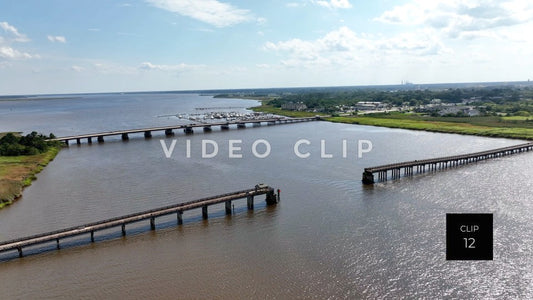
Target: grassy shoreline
(18,172)
(393,121)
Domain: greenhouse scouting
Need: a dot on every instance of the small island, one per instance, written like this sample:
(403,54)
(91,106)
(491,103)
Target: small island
(21,157)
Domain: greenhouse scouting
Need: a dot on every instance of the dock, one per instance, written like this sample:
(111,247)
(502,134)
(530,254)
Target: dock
(187,129)
(435,164)
(122,221)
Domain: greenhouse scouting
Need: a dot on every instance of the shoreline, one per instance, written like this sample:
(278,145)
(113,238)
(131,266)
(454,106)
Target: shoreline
(18,172)
(421,125)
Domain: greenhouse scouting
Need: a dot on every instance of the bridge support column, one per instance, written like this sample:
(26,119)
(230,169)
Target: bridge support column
(89,140)
(180,217)
(66,142)
(250,201)
(147,134)
(204,212)
(188,130)
(19,249)
(169,132)
(125,137)
(228,207)
(78,141)
(224,127)
(256,124)
(241,125)
(57,244)
(92,236)
(100,139)
(270,198)
(123,229)
(208,128)
(368,177)
(152,223)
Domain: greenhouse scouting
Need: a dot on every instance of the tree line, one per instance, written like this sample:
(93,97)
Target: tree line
(31,144)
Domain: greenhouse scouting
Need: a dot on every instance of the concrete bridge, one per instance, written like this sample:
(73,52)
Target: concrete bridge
(178,209)
(187,128)
(434,164)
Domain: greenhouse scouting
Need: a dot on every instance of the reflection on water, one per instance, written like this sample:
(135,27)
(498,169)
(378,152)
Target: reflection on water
(330,237)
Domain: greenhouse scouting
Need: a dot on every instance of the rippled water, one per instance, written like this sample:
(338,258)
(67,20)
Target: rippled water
(330,237)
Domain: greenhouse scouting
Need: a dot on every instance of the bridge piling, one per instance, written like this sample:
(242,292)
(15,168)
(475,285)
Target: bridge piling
(204,212)
(78,141)
(147,134)
(100,139)
(89,140)
(169,132)
(125,137)
(152,223)
(124,229)
(250,202)
(180,217)
(228,207)
(92,236)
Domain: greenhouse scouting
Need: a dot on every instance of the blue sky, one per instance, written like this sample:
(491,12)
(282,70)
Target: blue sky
(65,46)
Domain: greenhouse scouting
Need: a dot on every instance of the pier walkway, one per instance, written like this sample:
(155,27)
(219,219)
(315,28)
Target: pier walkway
(440,163)
(187,128)
(91,228)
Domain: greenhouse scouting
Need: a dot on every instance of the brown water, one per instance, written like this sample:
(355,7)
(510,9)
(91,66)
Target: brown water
(330,237)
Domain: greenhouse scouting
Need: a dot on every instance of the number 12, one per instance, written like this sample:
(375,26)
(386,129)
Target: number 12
(469,242)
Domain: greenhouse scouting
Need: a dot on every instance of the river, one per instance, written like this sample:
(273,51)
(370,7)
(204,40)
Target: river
(330,237)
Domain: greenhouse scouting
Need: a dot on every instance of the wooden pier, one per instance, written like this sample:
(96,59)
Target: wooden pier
(178,209)
(187,129)
(434,164)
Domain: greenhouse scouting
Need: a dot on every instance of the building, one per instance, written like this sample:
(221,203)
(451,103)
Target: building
(299,106)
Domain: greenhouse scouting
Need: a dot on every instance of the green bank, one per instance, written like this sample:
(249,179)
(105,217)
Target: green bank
(516,128)
(18,171)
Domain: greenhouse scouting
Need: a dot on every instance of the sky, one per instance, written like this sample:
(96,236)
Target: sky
(65,46)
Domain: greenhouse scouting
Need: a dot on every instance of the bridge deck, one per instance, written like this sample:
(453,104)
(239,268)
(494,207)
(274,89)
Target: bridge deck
(182,126)
(440,162)
(18,244)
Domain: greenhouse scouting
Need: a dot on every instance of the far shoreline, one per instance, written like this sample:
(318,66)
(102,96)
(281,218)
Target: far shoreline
(430,126)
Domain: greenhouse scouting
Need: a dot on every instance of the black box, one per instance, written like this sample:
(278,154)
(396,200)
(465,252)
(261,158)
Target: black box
(469,237)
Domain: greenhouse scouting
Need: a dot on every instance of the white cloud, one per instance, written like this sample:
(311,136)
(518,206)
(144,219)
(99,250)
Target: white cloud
(12,35)
(344,47)
(10,53)
(333,4)
(148,66)
(77,68)
(213,12)
(11,30)
(461,18)
(57,38)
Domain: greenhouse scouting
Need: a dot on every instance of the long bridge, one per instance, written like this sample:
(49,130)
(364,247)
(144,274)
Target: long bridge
(434,164)
(187,128)
(178,209)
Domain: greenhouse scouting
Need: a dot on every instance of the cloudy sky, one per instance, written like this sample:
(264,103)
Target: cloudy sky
(64,46)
